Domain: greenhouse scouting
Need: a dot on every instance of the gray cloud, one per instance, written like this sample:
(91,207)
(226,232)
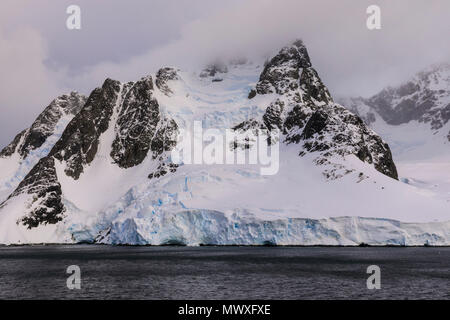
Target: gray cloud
(128,39)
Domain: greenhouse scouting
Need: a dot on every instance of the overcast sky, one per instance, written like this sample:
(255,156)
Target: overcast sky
(41,59)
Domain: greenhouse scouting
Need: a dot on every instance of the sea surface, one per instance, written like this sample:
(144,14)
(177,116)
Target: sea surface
(111,272)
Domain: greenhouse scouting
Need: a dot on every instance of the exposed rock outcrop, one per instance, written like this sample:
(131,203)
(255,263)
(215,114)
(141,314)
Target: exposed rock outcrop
(163,76)
(79,142)
(141,127)
(46,205)
(44,126)
(304,111)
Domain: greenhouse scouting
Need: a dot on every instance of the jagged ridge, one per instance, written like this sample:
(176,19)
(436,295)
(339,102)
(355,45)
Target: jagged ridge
(305,112)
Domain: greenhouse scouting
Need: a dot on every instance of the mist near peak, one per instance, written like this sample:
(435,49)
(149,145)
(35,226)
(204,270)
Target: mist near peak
(41,58)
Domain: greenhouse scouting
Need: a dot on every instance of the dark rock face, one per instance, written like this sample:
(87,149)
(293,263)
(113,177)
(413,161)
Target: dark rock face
(79,142)
(11,148)
(385,163)
(305,114)
(291,74)
(162,170)
(136,124)
(44,125)
(316,124)
(140,127)
(273,117)
(213,69)
(295,120)
(163,76)
(253,127)
(335,131)
(165,138)
(46,206)
(282,72)
(249,125)
(313,87)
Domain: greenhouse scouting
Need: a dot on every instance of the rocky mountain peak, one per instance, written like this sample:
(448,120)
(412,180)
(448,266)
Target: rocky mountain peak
(45,124)
(163,76)
(296,52)
(282,72)
(71,103)
(305,113)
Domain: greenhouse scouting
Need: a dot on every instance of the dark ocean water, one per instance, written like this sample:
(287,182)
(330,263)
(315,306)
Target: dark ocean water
(39,272)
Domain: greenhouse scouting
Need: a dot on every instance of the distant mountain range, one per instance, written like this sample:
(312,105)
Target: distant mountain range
(423,101)
(425,98)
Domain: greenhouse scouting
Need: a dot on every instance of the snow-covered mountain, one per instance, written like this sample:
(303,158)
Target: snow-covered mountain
(108,176)
(414,118)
